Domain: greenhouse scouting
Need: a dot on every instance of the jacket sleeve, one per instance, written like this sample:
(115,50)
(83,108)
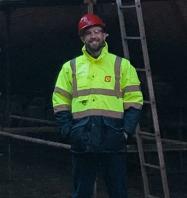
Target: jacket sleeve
(131,119)
(61,100)
(62,94)
(132,97)
(64,122)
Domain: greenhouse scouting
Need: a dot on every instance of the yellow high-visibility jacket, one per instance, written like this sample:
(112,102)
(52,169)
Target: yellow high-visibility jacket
(104,99)
(106,86)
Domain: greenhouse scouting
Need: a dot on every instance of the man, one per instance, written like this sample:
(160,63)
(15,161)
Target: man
(97,103)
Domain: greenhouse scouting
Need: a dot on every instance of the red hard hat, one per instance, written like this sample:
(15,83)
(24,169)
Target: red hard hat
(89,20)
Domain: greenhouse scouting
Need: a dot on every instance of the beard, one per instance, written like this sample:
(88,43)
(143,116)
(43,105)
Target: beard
(94,46)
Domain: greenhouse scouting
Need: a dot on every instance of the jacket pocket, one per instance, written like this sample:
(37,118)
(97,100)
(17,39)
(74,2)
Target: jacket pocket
(80,134)
(113,137)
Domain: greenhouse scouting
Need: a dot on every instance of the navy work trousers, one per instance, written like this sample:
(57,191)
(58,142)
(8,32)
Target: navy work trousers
(112,167)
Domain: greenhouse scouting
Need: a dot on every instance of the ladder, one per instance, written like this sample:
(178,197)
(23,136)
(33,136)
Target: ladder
(124,7)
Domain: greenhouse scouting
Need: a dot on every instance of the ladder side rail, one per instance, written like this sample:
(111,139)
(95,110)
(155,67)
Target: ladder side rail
(161,164)
(147,66)
(123,30)
(152,98)
(163,168)
(142,162)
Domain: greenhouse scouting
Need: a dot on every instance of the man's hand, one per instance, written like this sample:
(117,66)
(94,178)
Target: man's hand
(125,134)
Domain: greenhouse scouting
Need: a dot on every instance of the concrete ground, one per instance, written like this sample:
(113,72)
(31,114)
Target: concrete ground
(32,171)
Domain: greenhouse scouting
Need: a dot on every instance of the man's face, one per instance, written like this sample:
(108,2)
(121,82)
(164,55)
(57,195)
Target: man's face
(94,38)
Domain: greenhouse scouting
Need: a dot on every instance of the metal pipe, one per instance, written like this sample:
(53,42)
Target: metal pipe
(33,119)
(35,140)
(130,148)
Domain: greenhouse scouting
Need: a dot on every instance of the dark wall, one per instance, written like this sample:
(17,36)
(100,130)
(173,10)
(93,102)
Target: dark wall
(42,38)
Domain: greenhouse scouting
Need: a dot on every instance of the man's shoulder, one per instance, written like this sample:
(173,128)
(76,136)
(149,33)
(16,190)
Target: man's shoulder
(115,56)
(76,58)
(68,62)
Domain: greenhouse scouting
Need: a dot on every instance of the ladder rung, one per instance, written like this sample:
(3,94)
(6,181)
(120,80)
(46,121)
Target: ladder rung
(147,134)
(127,6)
(152,196)
(149,102)
(133,37)
(148,137)
(151,166)
(140,69)
(146,102)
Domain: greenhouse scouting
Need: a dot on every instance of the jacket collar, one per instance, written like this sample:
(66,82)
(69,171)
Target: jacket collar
(103,53)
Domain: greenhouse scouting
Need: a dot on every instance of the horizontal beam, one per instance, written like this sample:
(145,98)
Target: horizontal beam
(22,130)
(28,3)
(30,119)
(34,140)
(174,146)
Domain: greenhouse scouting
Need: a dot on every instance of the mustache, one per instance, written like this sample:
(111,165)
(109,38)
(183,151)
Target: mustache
(93,39)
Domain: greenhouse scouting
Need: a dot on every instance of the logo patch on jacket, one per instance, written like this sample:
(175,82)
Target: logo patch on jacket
(108,78)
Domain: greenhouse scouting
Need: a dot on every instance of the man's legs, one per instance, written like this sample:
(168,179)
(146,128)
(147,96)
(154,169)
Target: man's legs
(84,167)
(115,176)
